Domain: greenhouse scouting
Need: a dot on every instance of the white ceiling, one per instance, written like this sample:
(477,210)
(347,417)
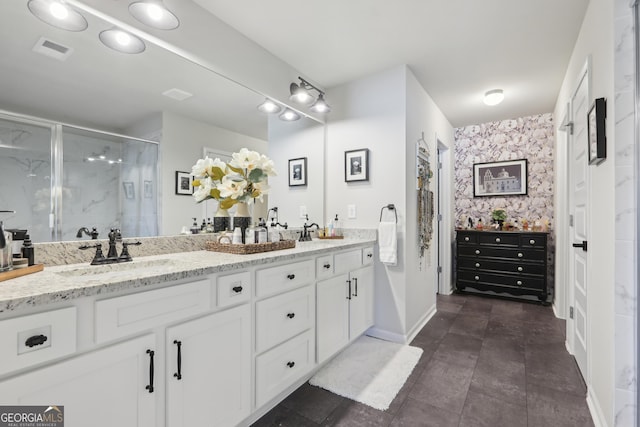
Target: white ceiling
(458,49)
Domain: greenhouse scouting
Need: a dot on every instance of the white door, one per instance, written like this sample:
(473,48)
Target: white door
(104,388)
(578,166)
(333,316)
(209,370)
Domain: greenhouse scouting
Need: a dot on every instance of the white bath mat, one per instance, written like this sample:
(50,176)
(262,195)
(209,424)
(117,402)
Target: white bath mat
(369,371)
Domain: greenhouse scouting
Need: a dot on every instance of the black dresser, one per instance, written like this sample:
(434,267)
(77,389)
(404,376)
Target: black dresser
(513,262)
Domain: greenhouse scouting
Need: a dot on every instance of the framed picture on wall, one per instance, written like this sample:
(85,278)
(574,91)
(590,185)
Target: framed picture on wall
(298,172)
(500,178)
(356,165)
(596,121)
(183,183)
(129,190)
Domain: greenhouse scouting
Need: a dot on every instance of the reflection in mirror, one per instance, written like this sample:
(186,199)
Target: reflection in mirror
(94,87)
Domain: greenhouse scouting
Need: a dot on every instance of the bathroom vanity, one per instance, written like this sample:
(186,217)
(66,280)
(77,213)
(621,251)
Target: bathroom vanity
(185,339)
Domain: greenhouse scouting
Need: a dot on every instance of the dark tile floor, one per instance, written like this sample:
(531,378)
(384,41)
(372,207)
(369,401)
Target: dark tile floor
(486,362)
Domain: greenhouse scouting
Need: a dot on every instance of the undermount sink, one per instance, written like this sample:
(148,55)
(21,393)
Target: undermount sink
(118,269)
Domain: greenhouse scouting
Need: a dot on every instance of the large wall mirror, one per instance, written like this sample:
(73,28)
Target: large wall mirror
(64,95)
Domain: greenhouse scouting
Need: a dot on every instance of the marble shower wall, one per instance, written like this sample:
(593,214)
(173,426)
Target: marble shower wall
(528,138)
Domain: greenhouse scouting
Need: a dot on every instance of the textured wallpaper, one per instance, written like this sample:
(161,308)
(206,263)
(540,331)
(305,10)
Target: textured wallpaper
(528,138)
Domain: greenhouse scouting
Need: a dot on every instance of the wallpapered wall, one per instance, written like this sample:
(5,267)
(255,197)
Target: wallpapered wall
(528,138)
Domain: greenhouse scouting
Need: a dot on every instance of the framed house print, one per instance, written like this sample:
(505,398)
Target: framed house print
(500,178)
(298,172)
(596,120)
(356,165)
(183,183)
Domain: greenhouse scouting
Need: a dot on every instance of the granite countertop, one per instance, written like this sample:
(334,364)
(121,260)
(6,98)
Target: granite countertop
(66,282)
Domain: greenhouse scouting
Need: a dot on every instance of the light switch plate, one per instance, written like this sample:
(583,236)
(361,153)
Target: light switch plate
(303,211)
(351,211)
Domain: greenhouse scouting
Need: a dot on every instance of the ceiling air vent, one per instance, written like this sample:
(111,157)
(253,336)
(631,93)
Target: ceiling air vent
(52,49)
(177,94)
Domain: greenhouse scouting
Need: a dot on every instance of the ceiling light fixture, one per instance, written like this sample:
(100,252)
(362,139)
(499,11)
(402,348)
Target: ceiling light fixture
(269,107)
(122,41)
(289,115)
(58,14)
(301,94)
(493,97)
(320,106)
(154,14)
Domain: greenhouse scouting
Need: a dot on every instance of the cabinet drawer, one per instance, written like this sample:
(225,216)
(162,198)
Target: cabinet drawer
(533,241)
(274,280)
(516,281)
(466,237)
(501,239)
(283,316)
(509,253)
(367,255)
(126,315)
(279,368)
(346,261)
(482,264)
(233,289)
(37,338)
(324,266)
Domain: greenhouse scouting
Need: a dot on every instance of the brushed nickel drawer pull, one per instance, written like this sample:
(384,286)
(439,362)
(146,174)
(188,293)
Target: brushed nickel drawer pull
(519,283)
(477,277)
(520,268)
(497,240)
(520,254)
(466,239)
(477,251)
(533,242)
(477,265)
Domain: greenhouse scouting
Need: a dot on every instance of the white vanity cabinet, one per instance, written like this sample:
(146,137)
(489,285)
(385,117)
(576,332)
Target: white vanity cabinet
(103,388)
(344,303)
(208,369)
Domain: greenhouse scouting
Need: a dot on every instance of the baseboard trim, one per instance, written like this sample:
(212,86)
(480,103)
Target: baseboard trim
(402,338)
(599,419)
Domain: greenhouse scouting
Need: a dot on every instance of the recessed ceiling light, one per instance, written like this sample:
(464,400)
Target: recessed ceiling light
(493,97)
(58,14)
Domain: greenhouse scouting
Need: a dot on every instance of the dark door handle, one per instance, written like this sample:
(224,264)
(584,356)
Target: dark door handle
(349,293)
(178,375)
(582,245)
(151,353)
(355,279)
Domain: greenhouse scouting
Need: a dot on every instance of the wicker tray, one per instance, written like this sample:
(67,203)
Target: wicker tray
(330,237)
(251,248)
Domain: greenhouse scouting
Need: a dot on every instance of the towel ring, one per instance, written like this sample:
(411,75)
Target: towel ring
(391,207)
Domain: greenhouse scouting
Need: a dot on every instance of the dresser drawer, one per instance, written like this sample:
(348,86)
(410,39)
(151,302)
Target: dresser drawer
(466,237)
(37,338)
(515,281)
(347,261)
(367,255)
(279,368)
(500,239)
(533,241)
(481,264)
(324,266)
(282,278)
(233,289)
(284,316)
(507,253)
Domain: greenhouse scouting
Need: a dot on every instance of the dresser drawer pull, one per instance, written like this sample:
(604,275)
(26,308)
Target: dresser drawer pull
(533,242)
(477,277)
(519,283)
(35,340)
(291,315)
(178,375)
(520,269)
(291,364)
(149,387)
(237,289)
(520,254)
(477,251)
(291,276)
(477,265)
(466,239)
(497,240)
(327,266)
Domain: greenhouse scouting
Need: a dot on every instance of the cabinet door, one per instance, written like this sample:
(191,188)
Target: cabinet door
(361,302)
(104,388)
(215,368)
(333,316)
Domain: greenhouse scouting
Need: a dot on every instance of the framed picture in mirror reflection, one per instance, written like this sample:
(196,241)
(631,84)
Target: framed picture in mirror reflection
(183,183)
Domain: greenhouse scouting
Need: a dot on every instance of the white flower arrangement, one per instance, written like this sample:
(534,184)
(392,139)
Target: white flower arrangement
(240,180)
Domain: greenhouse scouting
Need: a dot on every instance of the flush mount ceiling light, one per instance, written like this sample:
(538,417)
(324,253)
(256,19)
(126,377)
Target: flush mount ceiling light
(289,115)
(269,107)
(493,97)
(122,41)
(154,14)
(58,14)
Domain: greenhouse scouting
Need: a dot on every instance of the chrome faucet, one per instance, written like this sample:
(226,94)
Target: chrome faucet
(84,230)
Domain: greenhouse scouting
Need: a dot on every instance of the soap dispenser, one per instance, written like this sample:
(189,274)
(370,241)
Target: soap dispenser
(337,226)
(261,233)
(194,228)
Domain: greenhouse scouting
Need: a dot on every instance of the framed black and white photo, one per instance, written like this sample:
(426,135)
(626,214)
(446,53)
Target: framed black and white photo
(298,172)
(183,183)
(129,190)
(507,178)
(596,119)
(356,165)
(148,189)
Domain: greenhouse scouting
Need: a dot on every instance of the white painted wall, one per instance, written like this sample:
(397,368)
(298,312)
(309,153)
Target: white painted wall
(387,113)
(596,40)
(182,142)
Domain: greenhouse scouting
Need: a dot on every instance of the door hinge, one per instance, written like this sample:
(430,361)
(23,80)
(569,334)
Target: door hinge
(439,217)
(439,165)
(570,312)
(439,269)
(570,220)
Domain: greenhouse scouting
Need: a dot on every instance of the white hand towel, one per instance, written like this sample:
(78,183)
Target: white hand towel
(388,243)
